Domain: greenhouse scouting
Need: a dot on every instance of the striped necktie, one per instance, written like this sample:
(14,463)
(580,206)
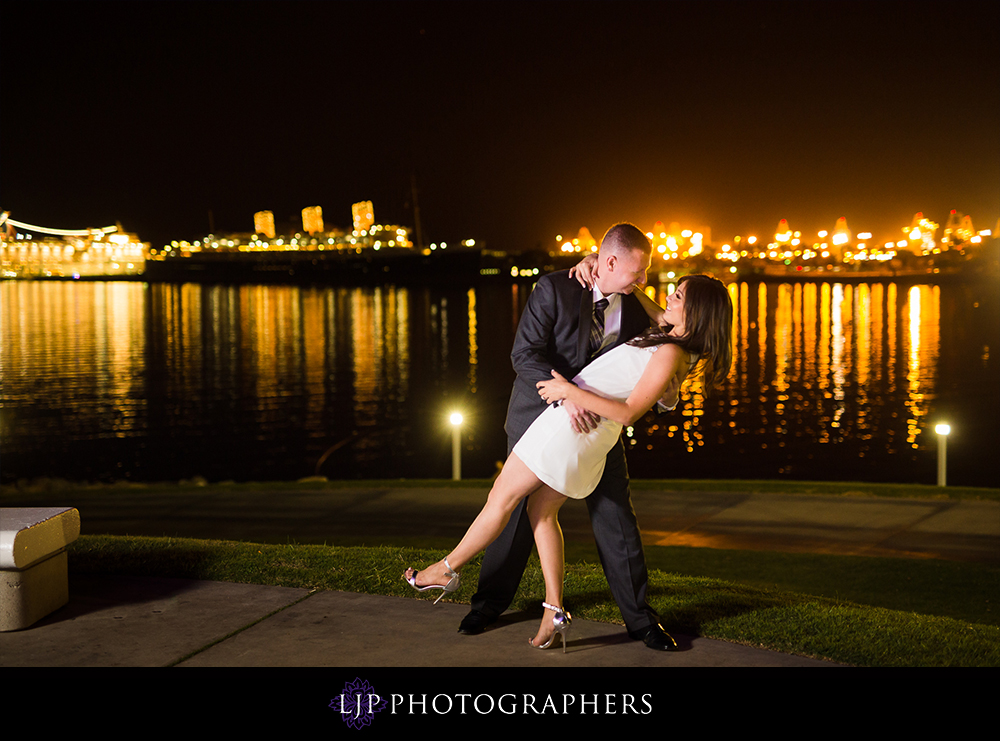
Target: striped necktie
(597,328)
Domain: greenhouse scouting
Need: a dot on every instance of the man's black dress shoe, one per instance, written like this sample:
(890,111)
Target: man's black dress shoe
(655,637)
(475,623)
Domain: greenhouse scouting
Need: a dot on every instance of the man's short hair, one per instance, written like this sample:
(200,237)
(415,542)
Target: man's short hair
(623,237)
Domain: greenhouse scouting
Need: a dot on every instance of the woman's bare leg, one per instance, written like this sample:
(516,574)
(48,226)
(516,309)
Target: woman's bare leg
(515,482)
(543,514)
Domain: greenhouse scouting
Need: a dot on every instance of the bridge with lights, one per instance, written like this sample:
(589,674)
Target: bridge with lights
(97,233)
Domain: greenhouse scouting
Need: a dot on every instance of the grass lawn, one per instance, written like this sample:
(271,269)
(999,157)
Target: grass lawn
(964,591)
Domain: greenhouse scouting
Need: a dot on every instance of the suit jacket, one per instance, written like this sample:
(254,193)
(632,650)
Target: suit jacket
(553,334)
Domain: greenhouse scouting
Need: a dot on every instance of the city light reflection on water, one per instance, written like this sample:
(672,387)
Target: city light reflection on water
(815,365)
(123,380)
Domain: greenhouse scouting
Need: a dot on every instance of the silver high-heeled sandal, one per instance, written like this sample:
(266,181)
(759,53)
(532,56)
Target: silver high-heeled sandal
(451,586)
(561,622)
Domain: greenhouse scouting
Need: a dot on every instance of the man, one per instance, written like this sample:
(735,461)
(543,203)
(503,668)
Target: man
(555,333)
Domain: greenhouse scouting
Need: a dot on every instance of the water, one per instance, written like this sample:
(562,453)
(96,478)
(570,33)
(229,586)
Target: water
(105,381)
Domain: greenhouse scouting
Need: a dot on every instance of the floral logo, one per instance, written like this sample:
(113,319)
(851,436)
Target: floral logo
(358,703)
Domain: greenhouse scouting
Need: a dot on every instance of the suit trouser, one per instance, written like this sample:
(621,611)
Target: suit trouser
(616,532)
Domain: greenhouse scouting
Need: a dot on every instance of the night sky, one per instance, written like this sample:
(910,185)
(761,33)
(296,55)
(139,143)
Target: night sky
(517,121)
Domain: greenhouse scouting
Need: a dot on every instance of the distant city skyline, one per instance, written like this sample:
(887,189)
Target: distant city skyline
(956,225)
(508,123)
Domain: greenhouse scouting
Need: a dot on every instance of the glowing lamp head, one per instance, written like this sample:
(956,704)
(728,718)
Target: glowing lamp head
(456,418)
(942,429)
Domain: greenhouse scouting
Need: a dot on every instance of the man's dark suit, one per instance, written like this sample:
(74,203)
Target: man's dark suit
(553,333)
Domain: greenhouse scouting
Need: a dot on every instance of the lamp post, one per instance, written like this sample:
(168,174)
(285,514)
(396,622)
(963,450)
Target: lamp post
(456,446)
(942,430)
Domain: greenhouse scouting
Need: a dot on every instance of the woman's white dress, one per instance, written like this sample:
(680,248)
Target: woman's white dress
(567,461)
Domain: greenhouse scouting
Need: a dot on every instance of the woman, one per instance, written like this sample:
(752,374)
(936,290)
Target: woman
(551,462)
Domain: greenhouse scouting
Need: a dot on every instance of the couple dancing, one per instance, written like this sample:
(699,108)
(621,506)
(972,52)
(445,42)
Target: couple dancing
(625,354)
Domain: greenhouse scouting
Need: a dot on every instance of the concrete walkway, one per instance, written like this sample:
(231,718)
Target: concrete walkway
(143,622)
(122,621)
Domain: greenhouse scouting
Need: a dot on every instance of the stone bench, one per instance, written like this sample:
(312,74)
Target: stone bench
(33,575)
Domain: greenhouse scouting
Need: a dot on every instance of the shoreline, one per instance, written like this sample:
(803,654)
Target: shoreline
(399,266)
(858,489)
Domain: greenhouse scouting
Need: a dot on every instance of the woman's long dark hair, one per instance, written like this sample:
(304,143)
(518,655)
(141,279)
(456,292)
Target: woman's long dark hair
(708,324)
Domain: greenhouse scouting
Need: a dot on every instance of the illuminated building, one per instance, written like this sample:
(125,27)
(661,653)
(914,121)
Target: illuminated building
(673,236)
(263,223)
(783,235)
(364,216)
(658,237)
(697,242)
(920,235)
(584,242)
(666,242)
(675,242)
(958,229)
(839,237)
(386,235)
(312,220)
(28,251)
